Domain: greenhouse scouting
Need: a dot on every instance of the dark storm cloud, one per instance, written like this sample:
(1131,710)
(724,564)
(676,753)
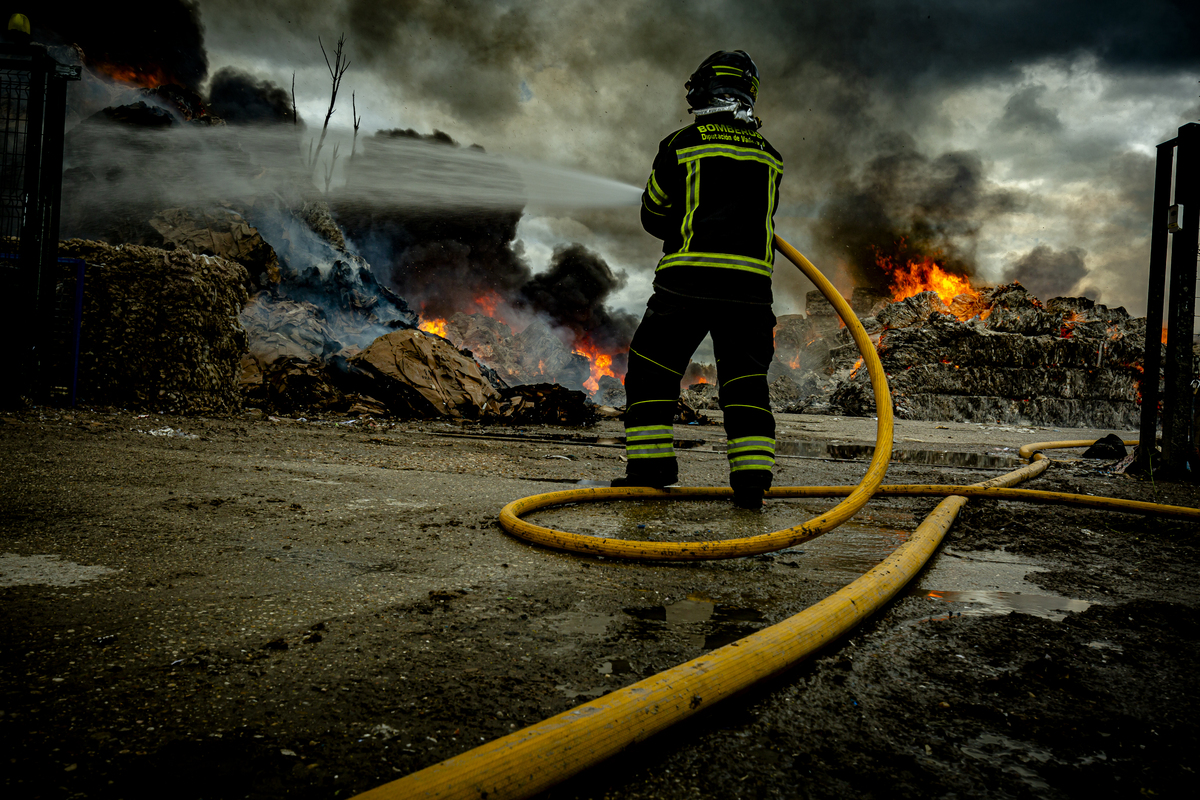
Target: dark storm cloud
(466,54)
(1023,112)
(895,42)
(1048,272)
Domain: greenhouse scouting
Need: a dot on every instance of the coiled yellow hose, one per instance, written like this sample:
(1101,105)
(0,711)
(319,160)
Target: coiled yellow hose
(537,757)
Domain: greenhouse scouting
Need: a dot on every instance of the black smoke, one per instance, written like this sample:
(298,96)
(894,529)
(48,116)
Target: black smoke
(572,293)
(164,37)
(442,261)
(439,260)
(242,99)
(1047,272)
(907,206)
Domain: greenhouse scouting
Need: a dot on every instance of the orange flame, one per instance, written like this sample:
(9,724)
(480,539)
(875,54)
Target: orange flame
(149,78)
(923,274)
(487,303)
(1164,334)
(601,364)
(436,326)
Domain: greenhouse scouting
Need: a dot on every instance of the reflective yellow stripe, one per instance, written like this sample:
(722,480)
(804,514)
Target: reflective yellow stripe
(757,443)
(687,155)
(770,251)
(656,193)
(655,363)
(739,377)
(639,402)
(693,202)
(719,260)
(738,464)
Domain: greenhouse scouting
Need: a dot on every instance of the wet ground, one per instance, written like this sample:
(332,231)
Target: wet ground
(254,608)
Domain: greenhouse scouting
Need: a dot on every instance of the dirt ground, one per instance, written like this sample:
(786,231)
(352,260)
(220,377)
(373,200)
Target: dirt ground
(249,607)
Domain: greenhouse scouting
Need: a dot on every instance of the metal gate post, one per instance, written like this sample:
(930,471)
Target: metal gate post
(1177,445)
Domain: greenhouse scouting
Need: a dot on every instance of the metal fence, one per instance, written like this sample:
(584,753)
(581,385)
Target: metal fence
(33,90)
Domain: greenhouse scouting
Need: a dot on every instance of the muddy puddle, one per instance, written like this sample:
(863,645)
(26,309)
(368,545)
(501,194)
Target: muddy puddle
(987,603)
(838,557)
(696,620)
(821,451)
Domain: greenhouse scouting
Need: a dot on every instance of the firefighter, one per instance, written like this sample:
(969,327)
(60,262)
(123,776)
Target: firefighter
(711,198)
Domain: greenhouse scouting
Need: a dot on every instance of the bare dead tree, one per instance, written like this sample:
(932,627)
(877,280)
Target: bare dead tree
(329,169)
(337,69)
(357,121)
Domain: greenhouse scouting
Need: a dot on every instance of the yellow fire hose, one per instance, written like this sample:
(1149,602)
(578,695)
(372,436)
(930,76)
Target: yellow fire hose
(535,758)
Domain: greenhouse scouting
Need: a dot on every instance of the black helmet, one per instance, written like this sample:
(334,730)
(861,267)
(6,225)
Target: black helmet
(729,72)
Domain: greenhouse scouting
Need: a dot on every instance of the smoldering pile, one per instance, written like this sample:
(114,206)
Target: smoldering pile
(324,330)
(996,356)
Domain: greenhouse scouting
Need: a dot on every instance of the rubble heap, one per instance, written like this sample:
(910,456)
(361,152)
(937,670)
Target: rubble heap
(160,328)
(1013,359)
(535,355)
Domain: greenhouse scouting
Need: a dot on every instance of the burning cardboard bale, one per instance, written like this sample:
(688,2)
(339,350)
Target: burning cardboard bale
(535,355)
(160,329)
(911,311)
(611,392)
(1069,363)
(791,396)
(416,375)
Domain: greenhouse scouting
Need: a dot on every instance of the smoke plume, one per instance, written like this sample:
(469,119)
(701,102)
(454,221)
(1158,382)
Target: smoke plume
(905,207)
(572,293)
(162,41)
(243,99)
(1047,272)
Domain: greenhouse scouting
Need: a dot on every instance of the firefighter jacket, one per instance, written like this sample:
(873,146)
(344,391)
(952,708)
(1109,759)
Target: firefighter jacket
(711,198)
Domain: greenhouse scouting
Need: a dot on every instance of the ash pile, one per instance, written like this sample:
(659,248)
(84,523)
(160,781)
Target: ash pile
(997,356)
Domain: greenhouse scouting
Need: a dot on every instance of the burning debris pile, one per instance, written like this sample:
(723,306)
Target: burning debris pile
(463,272)
(991,355)
(323,329)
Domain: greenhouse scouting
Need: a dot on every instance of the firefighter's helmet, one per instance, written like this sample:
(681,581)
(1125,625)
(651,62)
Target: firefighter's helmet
(19,23)
(725,72)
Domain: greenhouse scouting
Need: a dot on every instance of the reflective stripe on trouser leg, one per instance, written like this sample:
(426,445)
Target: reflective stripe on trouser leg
(649,441)
(743,345)
(751,453)
(658,357)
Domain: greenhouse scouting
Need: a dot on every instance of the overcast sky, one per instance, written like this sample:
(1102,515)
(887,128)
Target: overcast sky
(1023,132)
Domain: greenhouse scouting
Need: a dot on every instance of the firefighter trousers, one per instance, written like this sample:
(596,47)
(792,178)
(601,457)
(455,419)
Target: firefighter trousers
(662,348)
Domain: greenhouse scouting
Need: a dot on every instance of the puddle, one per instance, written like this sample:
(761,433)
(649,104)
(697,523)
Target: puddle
(1019,758)
(580,622)
(980,603)
(46,570)
(836,558)
(788,448)
(698,621)
(862,452)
